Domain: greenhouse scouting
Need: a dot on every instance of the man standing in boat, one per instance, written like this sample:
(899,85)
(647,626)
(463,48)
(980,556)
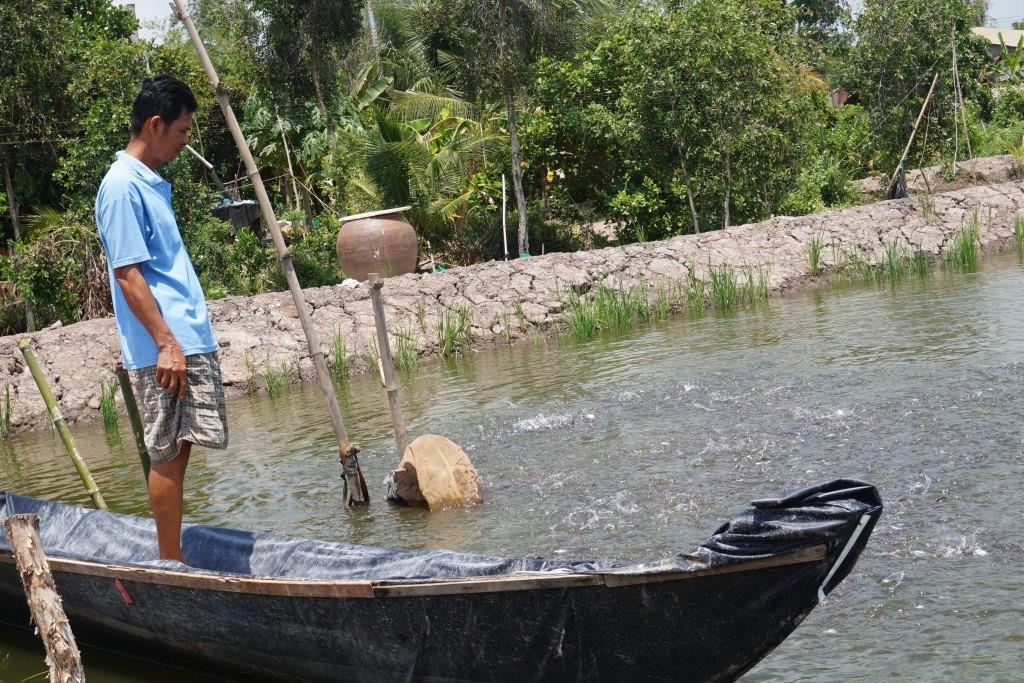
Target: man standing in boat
(167,343)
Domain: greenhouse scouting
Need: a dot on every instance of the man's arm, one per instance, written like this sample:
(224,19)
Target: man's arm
(170,365)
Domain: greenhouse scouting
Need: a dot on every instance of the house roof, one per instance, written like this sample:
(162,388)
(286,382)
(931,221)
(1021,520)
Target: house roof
(990,33)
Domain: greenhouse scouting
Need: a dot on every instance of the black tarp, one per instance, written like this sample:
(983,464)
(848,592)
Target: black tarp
(826,514)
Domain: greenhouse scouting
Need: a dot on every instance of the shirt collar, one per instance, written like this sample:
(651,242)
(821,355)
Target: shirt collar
(143,171)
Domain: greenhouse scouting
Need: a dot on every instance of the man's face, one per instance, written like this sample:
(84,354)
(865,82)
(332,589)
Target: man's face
(167,139)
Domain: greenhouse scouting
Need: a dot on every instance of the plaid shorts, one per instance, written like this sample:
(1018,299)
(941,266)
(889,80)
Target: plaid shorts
(200,417)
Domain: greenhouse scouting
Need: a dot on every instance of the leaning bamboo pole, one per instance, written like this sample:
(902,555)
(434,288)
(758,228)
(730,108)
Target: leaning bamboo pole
(62,655)
(355,485)
(132,406)
(60,425)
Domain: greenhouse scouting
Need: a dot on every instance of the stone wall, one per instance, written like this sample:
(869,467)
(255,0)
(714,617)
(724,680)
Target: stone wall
(526,294)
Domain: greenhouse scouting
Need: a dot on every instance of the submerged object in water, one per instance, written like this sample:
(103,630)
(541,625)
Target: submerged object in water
(289,609)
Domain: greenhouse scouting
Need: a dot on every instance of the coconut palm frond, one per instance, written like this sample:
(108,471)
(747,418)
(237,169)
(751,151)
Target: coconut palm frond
(450,207)
(410,104)
(43,219)
(365,186)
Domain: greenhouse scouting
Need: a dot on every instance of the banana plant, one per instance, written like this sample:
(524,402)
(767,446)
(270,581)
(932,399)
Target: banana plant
(1012,61)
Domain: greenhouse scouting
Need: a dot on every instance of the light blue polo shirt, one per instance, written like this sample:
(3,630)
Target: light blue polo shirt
(137,225)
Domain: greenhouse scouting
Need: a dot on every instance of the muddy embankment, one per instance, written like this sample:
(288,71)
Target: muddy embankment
(511,300)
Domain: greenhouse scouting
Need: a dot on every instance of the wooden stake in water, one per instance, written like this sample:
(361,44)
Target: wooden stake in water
(62,655)
(387,362)
(60,425)
(355,485)
(134,418)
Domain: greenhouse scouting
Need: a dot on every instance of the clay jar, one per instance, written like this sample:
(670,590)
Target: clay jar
(377,242)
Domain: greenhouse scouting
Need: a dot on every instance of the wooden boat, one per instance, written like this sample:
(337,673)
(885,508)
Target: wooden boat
(258,606)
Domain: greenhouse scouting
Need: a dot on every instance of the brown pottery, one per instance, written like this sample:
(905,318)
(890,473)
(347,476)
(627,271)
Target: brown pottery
(377,242)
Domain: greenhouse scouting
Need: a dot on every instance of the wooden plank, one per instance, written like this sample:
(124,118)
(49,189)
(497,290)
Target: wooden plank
(308,588)
(62,655)
(513,582)
(815,554)
(305,588)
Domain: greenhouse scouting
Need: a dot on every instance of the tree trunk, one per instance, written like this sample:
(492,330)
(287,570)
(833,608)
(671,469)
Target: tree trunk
(12,207)
(320,103)
(291,171)
(689,197)
(517,173)
(62,656)
(728,186)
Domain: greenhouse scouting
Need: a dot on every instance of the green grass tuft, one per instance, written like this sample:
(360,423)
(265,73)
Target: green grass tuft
(895,262)
(725,289)
(696,298)
(920,264)
(453,333)
(1018,231)
(406,355)
(814,254)
(276,379)
(962,252)
(267,378)
(108,403)
(338,359)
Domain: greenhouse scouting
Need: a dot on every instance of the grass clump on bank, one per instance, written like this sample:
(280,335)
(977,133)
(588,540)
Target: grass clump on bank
(609,309)
(1018,232)
(814,254)
(453,333)
(728,291)
(962,253)
(338,359)
(108,403)
(267,377)
(406,355)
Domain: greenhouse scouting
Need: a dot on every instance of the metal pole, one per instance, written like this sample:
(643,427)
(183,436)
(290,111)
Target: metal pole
(355,484)
(387,362)
(58,423)
(134,418)
(504,228)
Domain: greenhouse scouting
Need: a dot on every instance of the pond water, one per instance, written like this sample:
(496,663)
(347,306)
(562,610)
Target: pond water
(639,446)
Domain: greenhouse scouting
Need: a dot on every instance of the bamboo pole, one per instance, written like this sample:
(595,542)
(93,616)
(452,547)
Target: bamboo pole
(355,485)
(60,425)
(62,655)
(132,406)
(387,362)
(913,133)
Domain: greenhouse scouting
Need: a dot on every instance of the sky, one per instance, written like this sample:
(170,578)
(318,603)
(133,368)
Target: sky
(1001,12)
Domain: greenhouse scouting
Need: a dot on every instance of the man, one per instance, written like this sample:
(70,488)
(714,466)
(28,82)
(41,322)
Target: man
(167,342)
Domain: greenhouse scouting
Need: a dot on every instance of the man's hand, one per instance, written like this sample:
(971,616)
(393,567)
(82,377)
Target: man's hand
(171,371)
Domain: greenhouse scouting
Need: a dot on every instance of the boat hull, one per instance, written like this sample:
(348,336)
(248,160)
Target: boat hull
(700,628)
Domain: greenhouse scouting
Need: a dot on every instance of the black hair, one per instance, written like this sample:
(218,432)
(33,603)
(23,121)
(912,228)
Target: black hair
(162,95)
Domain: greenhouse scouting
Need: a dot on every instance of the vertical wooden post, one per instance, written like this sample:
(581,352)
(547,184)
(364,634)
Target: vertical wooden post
(387,362)
(355,484)
(132,406)
(62,655)
(60,425)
